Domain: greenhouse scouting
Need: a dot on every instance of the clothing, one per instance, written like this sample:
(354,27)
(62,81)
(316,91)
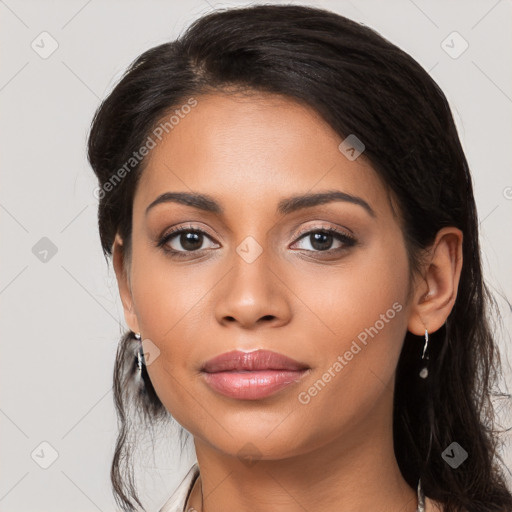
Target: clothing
(178,500)
(176,503)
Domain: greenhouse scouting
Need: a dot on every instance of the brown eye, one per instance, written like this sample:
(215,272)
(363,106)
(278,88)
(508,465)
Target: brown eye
(190,241)
(183,240)
(322,240)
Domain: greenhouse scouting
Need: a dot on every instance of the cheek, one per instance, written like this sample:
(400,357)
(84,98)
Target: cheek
(168,301)
(167,297)
(366,288)
(358,328)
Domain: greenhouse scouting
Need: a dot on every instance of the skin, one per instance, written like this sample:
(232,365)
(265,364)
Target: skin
(334,453)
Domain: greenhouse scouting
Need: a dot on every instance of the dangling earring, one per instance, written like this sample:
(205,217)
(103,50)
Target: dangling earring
(140,354)
(424,370)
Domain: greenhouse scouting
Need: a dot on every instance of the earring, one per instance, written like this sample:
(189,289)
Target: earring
(140,359)
(140,353)
(424,370)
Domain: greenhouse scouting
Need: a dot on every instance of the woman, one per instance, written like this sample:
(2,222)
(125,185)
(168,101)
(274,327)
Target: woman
(291,220)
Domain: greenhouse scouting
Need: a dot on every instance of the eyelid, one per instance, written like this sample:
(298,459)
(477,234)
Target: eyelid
(178,230)
(342,234)
(311,229)
(303,231)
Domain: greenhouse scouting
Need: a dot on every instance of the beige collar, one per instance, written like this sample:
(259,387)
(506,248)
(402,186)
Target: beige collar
(430,505)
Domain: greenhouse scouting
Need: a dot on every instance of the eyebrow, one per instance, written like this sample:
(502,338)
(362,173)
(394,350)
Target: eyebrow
(284,207)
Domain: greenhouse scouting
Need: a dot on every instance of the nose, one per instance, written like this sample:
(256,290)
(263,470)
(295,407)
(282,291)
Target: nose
(253,294)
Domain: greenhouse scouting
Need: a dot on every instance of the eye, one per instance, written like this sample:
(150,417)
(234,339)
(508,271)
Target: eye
(180,241)
(186,240)
(322,240)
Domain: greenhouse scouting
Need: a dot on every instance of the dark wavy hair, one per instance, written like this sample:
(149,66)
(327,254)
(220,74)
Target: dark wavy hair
(360,83)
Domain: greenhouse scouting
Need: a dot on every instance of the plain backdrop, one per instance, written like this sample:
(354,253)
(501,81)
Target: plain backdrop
(61,314)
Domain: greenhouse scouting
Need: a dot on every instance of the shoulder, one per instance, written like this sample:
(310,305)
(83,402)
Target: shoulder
(176,503)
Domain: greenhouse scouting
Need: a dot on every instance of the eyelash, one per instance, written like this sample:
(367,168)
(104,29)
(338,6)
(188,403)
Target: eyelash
(343,237)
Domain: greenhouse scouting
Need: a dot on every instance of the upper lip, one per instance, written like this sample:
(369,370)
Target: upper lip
(255,360)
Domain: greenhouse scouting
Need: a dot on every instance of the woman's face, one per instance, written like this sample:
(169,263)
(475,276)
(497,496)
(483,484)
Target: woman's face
(253,279)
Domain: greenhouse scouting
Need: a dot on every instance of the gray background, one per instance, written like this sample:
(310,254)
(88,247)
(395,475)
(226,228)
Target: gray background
(61,314)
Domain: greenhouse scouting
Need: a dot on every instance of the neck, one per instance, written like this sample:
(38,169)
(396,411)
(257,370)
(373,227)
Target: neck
(355,472)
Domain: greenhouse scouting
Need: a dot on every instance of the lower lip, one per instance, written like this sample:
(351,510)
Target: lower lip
(252,385)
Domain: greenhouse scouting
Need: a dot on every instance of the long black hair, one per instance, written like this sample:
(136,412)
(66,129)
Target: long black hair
(361,84)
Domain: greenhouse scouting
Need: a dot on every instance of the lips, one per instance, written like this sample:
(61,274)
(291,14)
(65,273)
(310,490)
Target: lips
(252,375)
(252,361)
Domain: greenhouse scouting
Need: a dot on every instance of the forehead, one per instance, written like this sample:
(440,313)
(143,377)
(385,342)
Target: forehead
(253,148)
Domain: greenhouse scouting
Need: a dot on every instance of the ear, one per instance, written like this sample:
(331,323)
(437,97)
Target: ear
(436,291)
(121,268)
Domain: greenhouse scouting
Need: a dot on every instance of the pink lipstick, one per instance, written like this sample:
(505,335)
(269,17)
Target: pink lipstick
(251,375)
